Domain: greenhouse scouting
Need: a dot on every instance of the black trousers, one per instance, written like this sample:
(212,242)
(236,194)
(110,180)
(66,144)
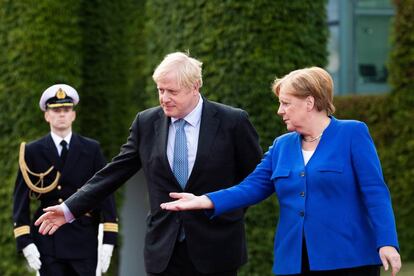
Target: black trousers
(368,270)
(67,267)
(180,265)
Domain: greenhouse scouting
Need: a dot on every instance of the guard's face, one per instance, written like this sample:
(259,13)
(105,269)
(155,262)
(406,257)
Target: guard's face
(292,109)
(60,118)
(176,101)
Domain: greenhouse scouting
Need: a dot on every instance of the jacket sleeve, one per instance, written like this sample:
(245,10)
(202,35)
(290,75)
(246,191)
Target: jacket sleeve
(108,207)
(375,193)
(110,178)
(21,213)
(110,220)
(254,188)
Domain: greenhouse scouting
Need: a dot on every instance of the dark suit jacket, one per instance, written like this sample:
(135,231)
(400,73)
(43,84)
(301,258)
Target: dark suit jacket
(78,239)
(228,150)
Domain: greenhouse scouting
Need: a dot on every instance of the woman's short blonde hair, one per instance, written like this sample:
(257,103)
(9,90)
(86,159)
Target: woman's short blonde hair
(313,81)
(187,69)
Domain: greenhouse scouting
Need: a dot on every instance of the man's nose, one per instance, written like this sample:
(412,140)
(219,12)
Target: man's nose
(165,97)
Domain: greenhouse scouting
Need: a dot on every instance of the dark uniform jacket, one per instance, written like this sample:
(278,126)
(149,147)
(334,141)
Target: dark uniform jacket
(228,150)
(75,240)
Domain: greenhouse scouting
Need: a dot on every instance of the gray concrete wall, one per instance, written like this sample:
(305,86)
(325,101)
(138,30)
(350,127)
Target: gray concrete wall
(132,224)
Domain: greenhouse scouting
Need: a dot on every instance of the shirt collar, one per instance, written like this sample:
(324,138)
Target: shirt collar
(57,139)
(193,118)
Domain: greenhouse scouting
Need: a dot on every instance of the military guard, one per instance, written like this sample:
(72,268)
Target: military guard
(52,168)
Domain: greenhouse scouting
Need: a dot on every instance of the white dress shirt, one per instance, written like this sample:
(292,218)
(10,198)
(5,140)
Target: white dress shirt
(57,139)
(192,131)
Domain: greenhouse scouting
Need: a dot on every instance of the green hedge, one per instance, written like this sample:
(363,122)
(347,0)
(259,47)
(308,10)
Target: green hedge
(401,65)
(99,47)
(401,151)
(112,53)
(95,46)
(39,45)
(112,82)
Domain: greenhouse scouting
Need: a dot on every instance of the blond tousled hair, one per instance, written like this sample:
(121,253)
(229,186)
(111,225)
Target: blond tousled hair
(187,69)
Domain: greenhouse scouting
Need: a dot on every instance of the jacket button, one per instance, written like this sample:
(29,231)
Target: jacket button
(59,187)
(60,200)
(302,174)
(302,194)
(177,220)
(302,213)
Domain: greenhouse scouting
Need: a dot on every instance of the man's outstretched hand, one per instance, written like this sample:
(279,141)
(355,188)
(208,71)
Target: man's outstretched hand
(51,220)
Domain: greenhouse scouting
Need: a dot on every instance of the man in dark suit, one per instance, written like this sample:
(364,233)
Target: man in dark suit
(186,144)
(53,168)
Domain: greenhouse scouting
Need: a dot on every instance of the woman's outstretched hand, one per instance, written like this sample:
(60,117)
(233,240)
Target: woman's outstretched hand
(187,201)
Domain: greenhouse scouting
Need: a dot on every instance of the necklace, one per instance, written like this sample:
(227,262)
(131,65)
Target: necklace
(312,139)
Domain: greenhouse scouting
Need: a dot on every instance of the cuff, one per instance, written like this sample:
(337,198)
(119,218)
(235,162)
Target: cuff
(110,233)
(21,230)
(69,217)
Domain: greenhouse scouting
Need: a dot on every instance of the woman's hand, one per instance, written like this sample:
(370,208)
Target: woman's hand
(390,256)
(187,201)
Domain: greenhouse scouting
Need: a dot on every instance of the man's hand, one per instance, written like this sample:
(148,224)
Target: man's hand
(32,256)
(105,258)
(187,201)
(389,256)
(51,220)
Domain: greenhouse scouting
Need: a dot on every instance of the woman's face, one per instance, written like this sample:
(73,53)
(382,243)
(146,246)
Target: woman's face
(292,109)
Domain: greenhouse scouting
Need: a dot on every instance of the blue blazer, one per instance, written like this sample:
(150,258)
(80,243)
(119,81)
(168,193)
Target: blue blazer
(338,201)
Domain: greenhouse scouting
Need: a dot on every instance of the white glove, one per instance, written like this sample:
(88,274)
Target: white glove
(32,256)
(105,258)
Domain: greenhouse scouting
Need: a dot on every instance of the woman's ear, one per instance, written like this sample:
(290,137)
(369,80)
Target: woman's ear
(310,103)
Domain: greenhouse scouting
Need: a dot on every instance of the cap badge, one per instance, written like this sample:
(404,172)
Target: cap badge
(60,94)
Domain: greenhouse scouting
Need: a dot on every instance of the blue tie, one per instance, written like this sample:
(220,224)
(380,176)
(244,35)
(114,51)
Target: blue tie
(180,162)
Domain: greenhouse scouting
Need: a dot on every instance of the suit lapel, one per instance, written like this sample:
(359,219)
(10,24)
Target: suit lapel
(50,151)
(208,129)
(161,127)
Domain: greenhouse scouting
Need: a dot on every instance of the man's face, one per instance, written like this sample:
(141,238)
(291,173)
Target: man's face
(176,101)
(60,118)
